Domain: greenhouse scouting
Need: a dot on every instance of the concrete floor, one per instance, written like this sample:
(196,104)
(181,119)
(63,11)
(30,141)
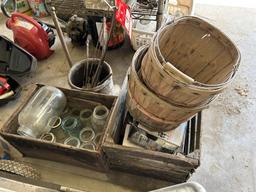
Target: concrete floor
(228,158)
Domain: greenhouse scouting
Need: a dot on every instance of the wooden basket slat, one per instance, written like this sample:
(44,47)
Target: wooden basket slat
(182,50)
(181,57)
(203,48)
(225,70)
(196,29)
(147,119)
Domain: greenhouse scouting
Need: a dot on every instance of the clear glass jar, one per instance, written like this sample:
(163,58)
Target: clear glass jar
(72,125)
(56,129)
(86,135)
(33,119)
(99,117)
(72,141)
(86,116)
(90,146)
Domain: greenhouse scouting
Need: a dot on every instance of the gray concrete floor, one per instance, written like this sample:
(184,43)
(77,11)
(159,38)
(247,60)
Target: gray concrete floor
(228,158)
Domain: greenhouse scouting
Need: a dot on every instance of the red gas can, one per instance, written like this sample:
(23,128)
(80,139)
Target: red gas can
(30,35)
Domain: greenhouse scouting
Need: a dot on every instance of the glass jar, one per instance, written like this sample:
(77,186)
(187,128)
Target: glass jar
(97,138)
(56,129)
(99,117)
(33,119)
(86,135)
(86,116)
(49,137)
(72,125)
(72,141)
(88,146)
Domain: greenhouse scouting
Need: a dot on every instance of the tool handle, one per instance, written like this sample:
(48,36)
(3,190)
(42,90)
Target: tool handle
(61,37)
(4,10)
(28,19)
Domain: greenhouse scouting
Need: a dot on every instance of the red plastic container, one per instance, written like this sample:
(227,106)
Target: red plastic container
(30,35)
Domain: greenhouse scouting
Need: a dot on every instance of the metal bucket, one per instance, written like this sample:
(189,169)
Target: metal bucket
(78,71)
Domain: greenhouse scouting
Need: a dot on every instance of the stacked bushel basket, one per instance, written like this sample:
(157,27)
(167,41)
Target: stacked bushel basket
(186,66)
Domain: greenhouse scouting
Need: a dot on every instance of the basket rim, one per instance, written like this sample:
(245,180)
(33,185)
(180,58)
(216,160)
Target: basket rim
(198,84)
(194,86)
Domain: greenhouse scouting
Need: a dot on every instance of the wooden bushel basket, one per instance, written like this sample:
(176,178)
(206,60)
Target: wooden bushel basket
(148,107)
(190,62)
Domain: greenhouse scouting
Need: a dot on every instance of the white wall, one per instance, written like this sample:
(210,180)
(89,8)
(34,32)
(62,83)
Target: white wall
(233,3)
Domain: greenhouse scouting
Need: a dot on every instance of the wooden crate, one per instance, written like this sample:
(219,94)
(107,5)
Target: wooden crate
(55,151)
(176,168)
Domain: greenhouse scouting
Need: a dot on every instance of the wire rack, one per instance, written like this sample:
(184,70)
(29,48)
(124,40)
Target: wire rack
(142,12)
(67,8)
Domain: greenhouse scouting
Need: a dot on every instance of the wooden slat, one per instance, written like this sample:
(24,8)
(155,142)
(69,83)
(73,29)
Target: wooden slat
(148,164)
(55,152)
(192,134)
(149,173)
(187,141)
(198,132)
(182,56)
(78,103)
(185,163)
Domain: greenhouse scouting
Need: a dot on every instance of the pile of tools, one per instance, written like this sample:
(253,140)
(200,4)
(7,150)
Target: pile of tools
(91,70)
(37,37)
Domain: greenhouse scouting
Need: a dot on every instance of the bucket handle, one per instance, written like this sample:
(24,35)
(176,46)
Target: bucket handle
(170,69)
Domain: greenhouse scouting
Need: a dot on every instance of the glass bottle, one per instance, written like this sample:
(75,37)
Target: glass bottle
(47,102)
